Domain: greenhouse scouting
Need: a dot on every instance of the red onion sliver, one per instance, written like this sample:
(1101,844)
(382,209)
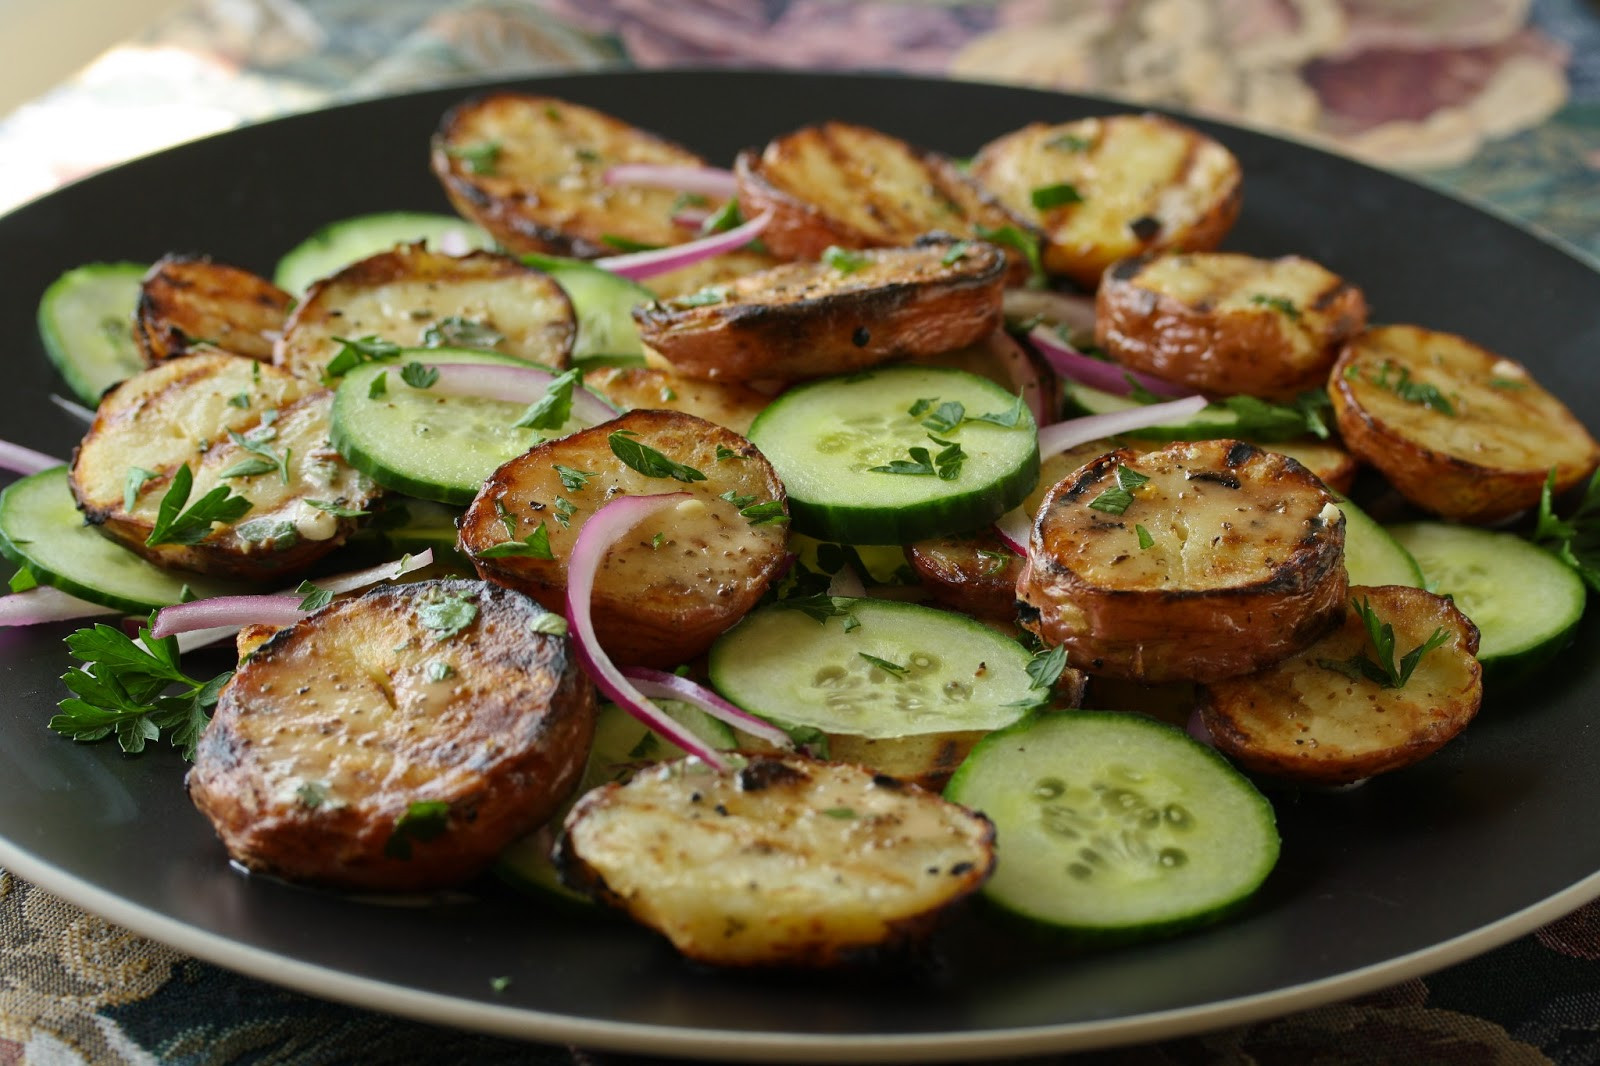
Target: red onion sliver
(691,218)
(639,265)
(1072,310)
(360,579)
(707,181)
(217,611)
(661,685)
(1095,373)
(1025,378)
(1014,528)
(603,529)
(45,604)
(846,582)
(1057,438)
(513,384)
(20,460)
(1197,729)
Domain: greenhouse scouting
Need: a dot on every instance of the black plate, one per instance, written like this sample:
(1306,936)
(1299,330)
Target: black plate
(1495,835)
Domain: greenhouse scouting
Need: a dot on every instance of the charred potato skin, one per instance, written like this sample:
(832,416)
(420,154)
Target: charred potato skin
(188,302)
(1252,350)
(1480,479)
(306,345)
(515,212)
(646,621)
(1262,721)
(807,219)
(503,763)
(136,408)
(1185,633)
(806,320)
(1209,174)
(976,574)
(815,939)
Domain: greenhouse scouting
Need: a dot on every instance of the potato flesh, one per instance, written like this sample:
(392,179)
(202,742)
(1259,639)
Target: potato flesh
(1126,168)
(400,295)
(1302,720)
(825,860)
(1486,460)
(545,190)
(654,603)
(727,403)
(188,302)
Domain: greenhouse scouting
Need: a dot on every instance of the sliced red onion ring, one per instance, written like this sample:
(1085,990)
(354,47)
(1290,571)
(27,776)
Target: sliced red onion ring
(337,583)
(707,181)
(603,529)
(45,604)
(1095,373)
(1197,729)
(1013,528)
(1025,378)
(637,266)
(691,218)
(661,685)
(846,582)
(216,611)
(20,460)
(1057,438)
(513,384)
(1072,310)
(73,408)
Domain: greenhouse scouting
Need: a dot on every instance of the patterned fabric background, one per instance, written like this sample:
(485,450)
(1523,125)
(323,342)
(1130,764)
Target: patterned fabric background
(1499,99)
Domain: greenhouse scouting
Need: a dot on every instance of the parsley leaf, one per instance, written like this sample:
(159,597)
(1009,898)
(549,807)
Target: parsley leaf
(1145,539)
(125,689)
(454,331)
(379,386)
(1575,539)
(1420,393)
(894,670)
(724,453)
(955,253)
(1024,243)
(336,509)
(946,416)
(820,608)
(444,614)
(948,462)
(722,219)
(23,580)
(255,442)
(626,244)
(554,408)
(174,525)
(421,820)
(353,353)
(480,158)
(1044,669)
(565,509)
(1281,304)
(535,545)
(316,597)
(1382,671)
(1118,500)
(1259,420)
(844,260)
(760,513)
(137,476)
(1069,142)
(573,479)
(713,294)
(1059,195)
(1010,418)
(647,461)
(921,463)
(419,376)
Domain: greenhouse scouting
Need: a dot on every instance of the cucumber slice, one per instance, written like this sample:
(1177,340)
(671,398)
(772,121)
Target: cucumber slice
(435,447)
(621,743)
(872,668)
(1372,555)
(408,525)
(86,323)
(41,529)
(338,244)
(1115,825)
(1525,602)
(603,303)
(1212,423)
(825,438)
(879,564)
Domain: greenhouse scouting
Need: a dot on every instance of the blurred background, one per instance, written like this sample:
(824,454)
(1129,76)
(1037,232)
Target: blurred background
(1496,98)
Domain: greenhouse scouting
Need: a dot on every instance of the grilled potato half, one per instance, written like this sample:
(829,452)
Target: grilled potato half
(1315,718)
(396,741)
(855,187)
(785,861)
(727,403)
(1103,189)
(1240,563)
(252,428)
(1459,430)
(188,302)
(419,298)
(1228,324)
(531,171)
(804,320)
(679,580)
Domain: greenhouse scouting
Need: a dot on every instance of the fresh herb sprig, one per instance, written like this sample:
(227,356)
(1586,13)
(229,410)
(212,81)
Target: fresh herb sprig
(647,461)
(1575,540)
(1118,500)
(554,408)
(1383,670)
(353,353)
(176,525)
(133,690)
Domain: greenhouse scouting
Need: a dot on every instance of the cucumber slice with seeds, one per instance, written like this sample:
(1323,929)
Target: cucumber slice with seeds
(1116,826)
(86,323)
(826,438)
(1525,602)
(1372,555)
(603,304)
(436,447)
(872,668)
(338,244)
(41,529)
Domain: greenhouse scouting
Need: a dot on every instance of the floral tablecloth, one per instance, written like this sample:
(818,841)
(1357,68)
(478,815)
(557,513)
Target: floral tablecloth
(1498,99)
